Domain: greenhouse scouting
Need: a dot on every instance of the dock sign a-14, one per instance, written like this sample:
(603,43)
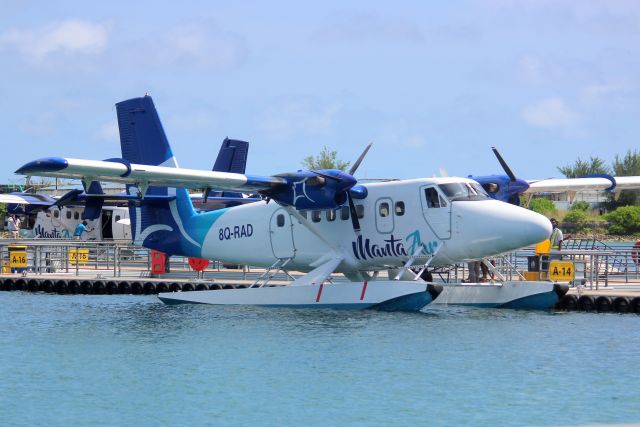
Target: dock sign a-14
(561,271)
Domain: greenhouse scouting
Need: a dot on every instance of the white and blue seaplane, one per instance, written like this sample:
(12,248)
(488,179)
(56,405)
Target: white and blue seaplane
(319,222)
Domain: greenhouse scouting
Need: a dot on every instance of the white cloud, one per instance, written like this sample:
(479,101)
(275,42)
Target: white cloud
(364,27)
(202,45)
(189,121)
(531,67)
(298,116)
(68,37)
(550,113)
(621,95)
(42,123)
(109,132)
(415,141)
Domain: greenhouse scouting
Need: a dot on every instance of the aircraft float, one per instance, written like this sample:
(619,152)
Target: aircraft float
(318,222)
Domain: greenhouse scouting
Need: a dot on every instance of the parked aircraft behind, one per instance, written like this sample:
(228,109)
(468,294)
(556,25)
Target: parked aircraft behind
(107,214)
(509,188)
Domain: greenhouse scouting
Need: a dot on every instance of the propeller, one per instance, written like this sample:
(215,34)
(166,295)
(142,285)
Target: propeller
(357,163)
(352,207)
(504,165)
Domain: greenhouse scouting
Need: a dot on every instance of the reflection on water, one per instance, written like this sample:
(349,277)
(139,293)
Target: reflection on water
(122,360)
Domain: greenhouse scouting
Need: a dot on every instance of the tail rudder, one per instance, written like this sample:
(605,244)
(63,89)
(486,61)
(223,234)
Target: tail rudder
(161,219)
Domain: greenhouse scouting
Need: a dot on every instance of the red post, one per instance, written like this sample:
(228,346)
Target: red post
(158,262)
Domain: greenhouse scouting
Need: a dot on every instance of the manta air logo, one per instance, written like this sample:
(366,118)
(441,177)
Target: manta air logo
(54,233)
(392,247)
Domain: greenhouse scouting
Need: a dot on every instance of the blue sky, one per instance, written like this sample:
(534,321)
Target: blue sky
(432,84)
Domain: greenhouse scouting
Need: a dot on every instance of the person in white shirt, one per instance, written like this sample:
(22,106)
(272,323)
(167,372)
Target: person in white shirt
(14,226)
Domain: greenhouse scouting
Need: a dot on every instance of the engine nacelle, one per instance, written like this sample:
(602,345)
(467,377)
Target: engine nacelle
(322,189)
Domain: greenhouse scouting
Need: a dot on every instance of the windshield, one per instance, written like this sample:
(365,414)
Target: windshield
(464,191)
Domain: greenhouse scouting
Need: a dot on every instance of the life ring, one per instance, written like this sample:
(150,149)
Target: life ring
(635,252)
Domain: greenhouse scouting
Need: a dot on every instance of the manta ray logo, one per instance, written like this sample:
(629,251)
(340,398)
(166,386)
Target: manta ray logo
(169,219)
(300,190)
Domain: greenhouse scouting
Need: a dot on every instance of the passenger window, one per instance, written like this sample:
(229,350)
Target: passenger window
(315,216)
(117,218)
(331,215)
(383,209)
(399,208)
(280,220)
(68,214)
(344,213)
(433,199)
(360,211)
(76,215)
(56,213)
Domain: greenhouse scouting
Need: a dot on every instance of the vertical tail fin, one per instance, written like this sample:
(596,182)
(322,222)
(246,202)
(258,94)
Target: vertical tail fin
(162,223)
(142,137)
(232,157)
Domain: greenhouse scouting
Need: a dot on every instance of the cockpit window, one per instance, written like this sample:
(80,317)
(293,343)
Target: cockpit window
(491,187)
(434,199)
(464,191)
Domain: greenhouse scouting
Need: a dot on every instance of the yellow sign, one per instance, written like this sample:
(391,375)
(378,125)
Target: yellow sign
(18,259)
(561,271)
(81,256)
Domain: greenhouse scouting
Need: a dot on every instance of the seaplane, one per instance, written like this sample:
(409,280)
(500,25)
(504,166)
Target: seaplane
(318,222)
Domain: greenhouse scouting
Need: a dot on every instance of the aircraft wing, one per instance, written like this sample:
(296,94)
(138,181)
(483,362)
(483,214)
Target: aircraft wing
(558,185)
(26,199)
(124,172)
(627,182)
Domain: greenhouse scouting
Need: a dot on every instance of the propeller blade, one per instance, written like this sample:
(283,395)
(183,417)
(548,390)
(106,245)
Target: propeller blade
(354,214)
(443,172)
(357,163)
(504,165)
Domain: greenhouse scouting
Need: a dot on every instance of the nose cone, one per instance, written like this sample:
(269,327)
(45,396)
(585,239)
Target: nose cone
(491,227)
(47,164)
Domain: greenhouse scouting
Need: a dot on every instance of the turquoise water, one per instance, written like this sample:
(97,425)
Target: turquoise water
(130,360)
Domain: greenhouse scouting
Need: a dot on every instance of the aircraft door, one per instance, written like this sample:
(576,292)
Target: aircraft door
(107,227)
(436,210)
(384,215)
(281,230)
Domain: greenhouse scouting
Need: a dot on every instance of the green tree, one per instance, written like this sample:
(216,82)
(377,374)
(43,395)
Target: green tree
(577,217)
(584,167)
(624,220)
(542,206)
(580,205)
(629,165)
(327,159)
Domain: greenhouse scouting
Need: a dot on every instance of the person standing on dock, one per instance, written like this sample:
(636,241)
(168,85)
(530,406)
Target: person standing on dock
(556,235)
(81,228)
(14,226)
